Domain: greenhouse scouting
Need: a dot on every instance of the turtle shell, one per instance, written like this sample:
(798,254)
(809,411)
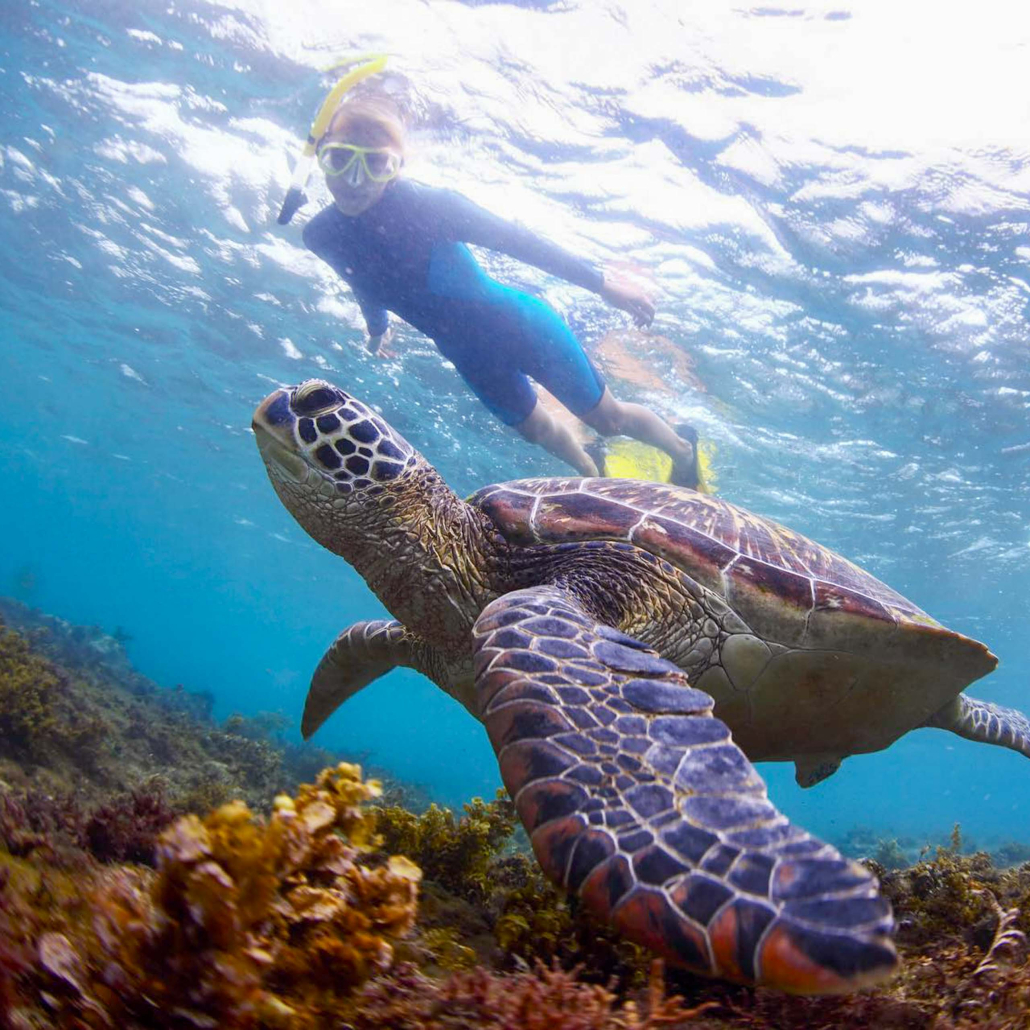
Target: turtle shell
(812,654)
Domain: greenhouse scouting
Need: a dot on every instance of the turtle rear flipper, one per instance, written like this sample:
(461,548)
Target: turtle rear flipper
(984,722)
(360,654)
(812,769)
(636,798)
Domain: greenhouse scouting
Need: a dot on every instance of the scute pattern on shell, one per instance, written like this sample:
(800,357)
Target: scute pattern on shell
(712,538)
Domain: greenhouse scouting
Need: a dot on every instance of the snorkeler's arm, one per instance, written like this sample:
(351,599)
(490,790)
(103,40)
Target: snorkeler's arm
(377,319)
(380,345)
(319,239)
(466,222)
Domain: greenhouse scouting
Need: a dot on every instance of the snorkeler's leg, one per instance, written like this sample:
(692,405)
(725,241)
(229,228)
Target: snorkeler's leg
(509,395)
(611,417)
(557,439)
(553,356)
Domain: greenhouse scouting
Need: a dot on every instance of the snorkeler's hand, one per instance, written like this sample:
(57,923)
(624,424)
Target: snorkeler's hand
(627,297)
(380,345)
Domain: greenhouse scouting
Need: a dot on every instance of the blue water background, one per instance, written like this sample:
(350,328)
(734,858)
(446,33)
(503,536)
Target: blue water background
(832,199)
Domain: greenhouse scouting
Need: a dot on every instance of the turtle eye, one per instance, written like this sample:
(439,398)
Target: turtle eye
(314,397)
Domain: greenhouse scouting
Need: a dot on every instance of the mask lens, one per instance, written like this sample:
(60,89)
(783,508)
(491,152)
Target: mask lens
(339,159)
(379,163)
(336,158)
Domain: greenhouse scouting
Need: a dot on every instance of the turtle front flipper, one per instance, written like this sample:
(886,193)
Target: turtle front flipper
(637,800)
(360,654)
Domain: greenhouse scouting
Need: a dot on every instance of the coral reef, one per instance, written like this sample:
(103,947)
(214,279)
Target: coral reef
(40,713)
(78,722)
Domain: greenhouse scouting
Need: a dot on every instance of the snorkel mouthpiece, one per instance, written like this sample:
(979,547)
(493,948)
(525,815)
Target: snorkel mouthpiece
(295,197)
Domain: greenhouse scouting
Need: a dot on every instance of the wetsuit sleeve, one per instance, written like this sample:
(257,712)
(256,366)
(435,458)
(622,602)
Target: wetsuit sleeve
(376,318)
(320,243)
(463,221)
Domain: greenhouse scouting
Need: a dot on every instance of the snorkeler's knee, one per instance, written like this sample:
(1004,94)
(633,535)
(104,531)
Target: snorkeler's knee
(606,416)
(536,426)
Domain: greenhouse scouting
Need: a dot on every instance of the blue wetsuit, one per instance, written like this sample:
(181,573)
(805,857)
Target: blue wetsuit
(407,254)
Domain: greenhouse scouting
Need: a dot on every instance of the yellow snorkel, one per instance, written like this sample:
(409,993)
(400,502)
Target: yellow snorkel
(295,196)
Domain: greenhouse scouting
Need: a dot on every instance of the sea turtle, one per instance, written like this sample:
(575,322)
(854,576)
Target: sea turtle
(589,624)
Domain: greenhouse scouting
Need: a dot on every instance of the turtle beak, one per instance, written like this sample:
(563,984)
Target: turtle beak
(274,411)
(273,424)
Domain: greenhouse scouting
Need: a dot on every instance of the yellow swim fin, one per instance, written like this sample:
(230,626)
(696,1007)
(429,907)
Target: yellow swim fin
(707,480)
(630,459)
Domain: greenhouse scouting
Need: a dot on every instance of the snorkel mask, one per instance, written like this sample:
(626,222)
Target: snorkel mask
(379,164)
(295,196)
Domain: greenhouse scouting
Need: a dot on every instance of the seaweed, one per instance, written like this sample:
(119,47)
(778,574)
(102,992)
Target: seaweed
(126,827)
(245,922)
(123,828)
(483,888)
(455,853)
(255,761)
(295,921)
(1010,853)
(544,998)
(39,715)
(949,896)
(889,854)
(40,821)
(539,923)
(961,939)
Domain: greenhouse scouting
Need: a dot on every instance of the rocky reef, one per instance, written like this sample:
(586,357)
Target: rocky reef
(105,755)
(158,869)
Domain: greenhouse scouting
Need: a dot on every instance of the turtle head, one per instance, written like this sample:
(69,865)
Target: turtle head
(330,458)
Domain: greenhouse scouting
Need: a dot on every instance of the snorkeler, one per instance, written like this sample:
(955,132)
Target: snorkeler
(400,245)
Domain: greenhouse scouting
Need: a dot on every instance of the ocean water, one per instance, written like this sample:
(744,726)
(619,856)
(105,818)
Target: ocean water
(831,200)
